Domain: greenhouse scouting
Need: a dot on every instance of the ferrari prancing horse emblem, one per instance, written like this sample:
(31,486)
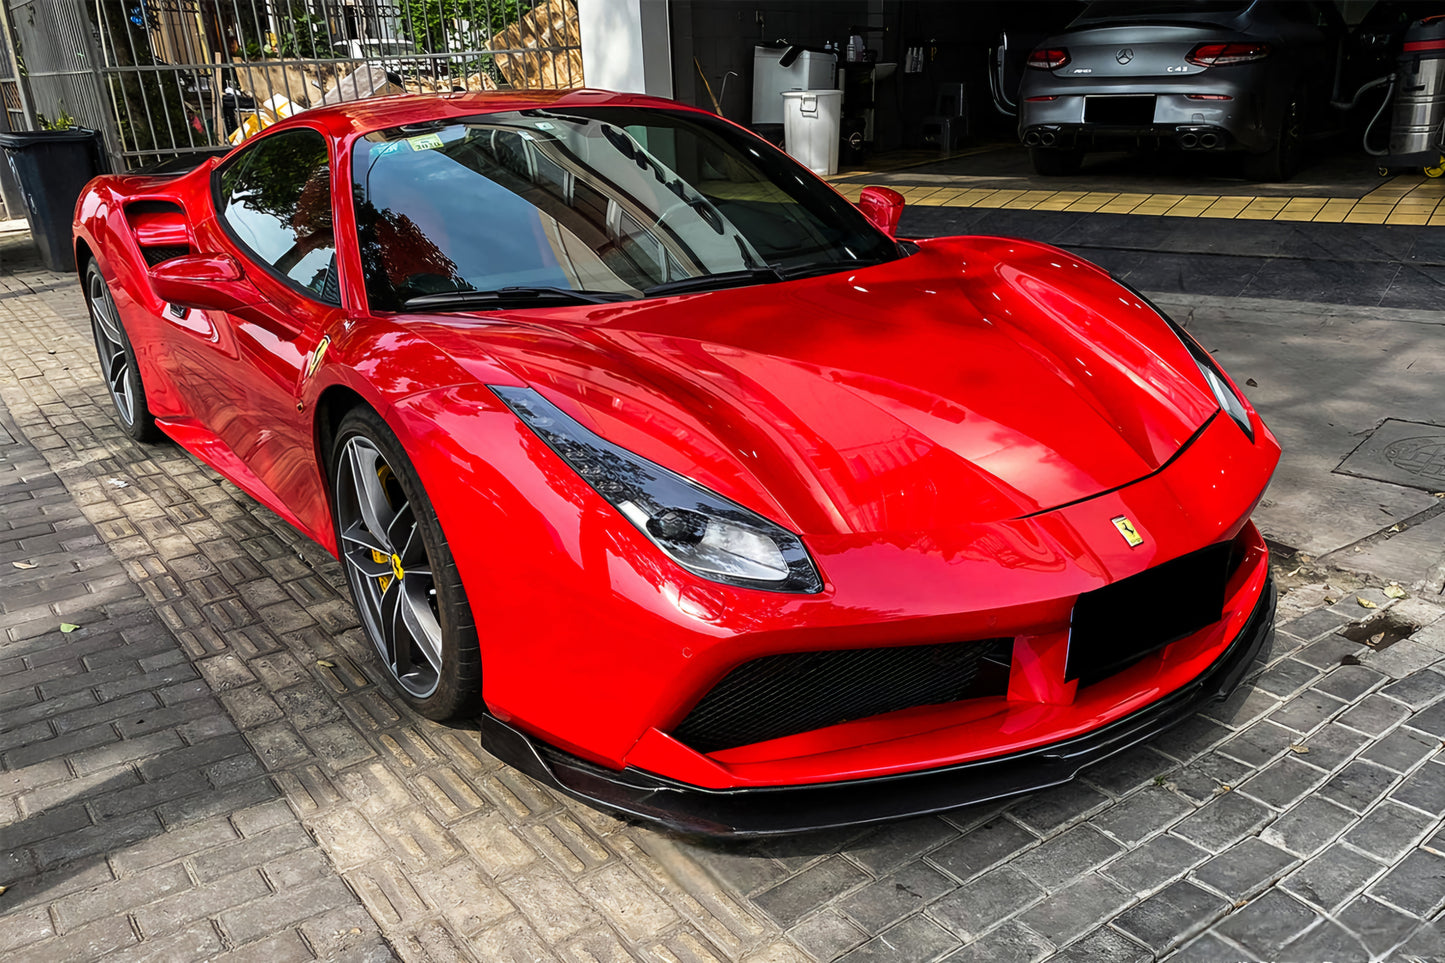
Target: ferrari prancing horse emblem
(1126,528)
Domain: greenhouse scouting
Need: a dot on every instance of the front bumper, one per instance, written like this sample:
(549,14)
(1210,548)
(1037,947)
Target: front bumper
(770,810)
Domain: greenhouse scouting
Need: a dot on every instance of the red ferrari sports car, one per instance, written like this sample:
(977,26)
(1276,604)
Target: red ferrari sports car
(719,504)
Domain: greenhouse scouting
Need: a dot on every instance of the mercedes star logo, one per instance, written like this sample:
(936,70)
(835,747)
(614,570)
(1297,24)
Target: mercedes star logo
(1125,55)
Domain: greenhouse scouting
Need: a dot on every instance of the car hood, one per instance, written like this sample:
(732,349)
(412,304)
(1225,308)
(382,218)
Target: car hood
(978,379)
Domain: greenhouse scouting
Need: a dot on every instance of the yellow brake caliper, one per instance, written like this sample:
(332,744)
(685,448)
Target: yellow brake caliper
(384,473)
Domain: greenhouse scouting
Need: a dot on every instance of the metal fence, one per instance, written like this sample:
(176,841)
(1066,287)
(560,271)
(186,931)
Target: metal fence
(161,78)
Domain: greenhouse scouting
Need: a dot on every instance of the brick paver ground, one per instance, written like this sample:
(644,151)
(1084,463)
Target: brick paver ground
(211,758)
(220,691)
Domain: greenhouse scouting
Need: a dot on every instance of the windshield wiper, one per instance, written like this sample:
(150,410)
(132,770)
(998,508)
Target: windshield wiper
(708,282)
(809,268)
(462,300)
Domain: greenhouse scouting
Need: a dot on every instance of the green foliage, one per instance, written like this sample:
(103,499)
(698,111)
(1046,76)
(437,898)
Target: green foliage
(63,121)
(467,24)
(308,39)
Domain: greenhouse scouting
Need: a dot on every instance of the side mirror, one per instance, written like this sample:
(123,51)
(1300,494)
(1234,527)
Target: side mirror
(883,206)
(211,282)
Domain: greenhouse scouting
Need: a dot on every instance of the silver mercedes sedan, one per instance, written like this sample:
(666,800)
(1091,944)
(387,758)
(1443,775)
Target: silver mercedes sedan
(1198,75)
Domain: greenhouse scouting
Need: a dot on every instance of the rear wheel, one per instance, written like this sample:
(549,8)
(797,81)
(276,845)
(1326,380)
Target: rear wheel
(402,575)
(117,359)
(1281,161)
(1056,162)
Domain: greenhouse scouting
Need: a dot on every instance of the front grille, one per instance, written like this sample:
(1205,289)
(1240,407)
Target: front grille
(155,255)
(782,695)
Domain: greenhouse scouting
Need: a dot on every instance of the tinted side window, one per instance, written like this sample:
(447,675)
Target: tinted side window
(276,200)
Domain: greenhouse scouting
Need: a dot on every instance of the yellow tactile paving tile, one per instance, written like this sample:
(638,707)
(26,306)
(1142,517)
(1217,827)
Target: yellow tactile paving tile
(1363,213)
(1301,209)
(1028,200)
(945,197)
(1227,207)
(973,195)
(999,198)
(1335,210)
(1091,202)
(1405,199)
(1417,205)
(1263,208)
(915,195)
(1192,205)
(1123,204)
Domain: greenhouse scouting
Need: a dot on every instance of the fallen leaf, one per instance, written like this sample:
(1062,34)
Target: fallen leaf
(1395,528)
(1251,382)
(1394,591)
(1294,573)
(1222,788)
(1375,639)
(1330,601)
(23,564)
(1299,749)
(1366,603)
(67,627)
(3,889)
(118,482)
(325,665)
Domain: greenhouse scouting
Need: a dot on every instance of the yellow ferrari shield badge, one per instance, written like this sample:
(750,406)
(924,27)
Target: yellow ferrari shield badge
(1126,528)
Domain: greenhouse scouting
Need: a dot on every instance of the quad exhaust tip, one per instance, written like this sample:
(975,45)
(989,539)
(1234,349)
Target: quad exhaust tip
(1032,139)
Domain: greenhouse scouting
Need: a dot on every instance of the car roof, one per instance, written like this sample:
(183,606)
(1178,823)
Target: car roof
(378,113)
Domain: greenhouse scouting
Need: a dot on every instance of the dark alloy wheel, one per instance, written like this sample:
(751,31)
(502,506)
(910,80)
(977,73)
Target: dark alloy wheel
(117,360)
(403,577)
(1280,162)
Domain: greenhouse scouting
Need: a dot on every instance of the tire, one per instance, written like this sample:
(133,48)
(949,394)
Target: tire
(1056,162)
(403,578)
(117,359)
(1280,162)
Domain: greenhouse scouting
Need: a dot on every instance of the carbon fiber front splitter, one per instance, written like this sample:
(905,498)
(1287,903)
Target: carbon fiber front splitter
(775,810)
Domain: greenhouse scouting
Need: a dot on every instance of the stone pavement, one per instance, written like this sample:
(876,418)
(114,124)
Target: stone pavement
(210,765)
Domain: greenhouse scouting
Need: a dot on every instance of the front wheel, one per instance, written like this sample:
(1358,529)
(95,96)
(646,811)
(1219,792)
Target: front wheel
(117,359)
(402,575)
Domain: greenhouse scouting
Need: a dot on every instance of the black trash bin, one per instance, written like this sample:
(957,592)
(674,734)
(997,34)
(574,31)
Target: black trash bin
(52,167)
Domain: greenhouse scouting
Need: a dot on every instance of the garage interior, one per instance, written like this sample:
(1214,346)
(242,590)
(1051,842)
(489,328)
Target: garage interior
(918,113)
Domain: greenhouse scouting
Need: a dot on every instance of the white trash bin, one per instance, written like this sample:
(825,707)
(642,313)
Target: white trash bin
(811,120)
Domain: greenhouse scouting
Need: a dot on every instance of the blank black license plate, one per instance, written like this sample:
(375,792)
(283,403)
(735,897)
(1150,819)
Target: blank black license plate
(1120,623)
(1119,111)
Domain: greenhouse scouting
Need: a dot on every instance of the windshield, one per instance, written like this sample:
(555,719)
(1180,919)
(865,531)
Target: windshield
(597,199)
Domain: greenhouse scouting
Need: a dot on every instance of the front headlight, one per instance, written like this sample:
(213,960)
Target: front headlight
(1231,403)
(700,530)
(1228,399)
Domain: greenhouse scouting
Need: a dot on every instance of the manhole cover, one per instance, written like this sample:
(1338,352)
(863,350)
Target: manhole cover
(1403,452)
